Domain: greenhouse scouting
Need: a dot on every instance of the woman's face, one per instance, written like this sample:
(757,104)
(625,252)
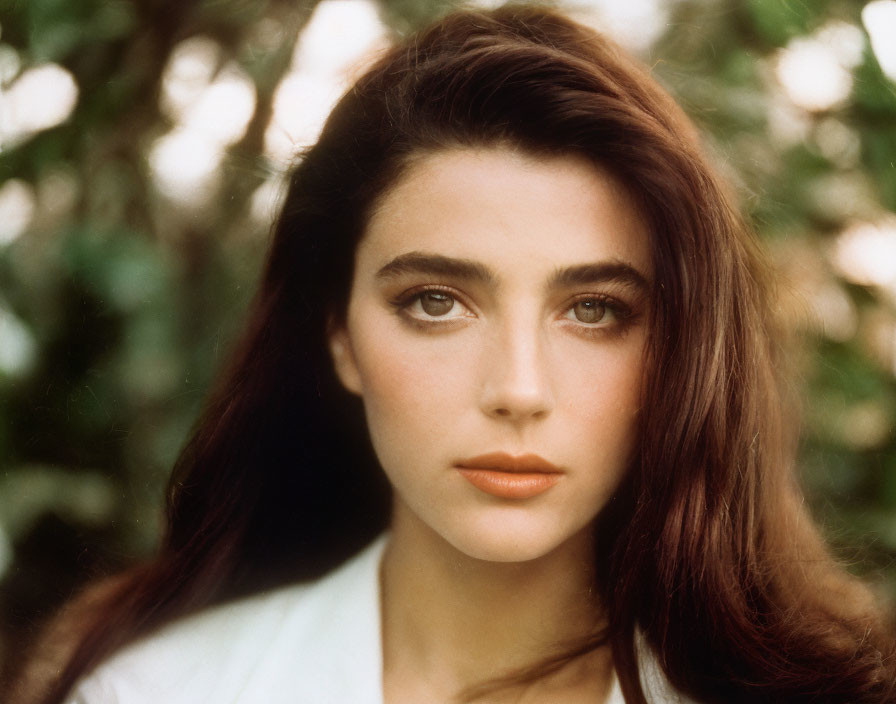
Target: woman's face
(495,331)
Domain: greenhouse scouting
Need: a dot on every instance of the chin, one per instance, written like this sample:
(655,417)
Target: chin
(507,540)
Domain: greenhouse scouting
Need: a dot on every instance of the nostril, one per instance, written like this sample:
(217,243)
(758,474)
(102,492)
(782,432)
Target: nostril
(502,412)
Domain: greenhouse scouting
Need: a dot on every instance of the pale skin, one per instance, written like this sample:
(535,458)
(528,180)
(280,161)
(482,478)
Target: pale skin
(499,304)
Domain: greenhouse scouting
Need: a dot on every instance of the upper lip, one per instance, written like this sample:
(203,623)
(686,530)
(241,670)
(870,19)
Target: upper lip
(504,462)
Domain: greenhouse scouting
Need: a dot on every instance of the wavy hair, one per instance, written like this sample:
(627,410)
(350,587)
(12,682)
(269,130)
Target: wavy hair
(706,555)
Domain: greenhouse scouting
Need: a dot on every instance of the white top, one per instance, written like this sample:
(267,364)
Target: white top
(316,643)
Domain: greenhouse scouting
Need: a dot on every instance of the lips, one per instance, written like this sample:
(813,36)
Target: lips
(508,476)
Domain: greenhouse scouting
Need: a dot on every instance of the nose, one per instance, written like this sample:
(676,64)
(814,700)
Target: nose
(516,384)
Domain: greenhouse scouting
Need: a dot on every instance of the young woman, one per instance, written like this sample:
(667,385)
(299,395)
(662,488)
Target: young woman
(513,337)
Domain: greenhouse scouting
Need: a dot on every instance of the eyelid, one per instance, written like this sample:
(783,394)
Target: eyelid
(622,314)
(619,306)
(404,300)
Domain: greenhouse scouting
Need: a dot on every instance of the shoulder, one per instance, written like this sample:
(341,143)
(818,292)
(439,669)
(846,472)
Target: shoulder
(284,645)
(213,650)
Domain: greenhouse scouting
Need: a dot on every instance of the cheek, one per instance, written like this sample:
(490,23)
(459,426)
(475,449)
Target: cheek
(602,379)
(410,390)
(600,396)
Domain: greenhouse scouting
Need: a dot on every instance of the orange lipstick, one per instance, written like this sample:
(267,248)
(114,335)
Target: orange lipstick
(509,477)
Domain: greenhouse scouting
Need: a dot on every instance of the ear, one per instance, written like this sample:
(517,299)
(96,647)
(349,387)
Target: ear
(343,357)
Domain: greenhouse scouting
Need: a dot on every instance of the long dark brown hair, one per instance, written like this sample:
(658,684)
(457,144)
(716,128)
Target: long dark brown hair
(706,555)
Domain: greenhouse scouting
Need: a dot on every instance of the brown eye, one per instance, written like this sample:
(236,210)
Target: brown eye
(436,304)
(589,311)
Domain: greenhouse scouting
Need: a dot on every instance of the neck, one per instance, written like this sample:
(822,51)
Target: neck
(451,621)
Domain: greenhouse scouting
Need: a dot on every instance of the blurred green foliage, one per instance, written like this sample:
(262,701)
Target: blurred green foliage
(121,301)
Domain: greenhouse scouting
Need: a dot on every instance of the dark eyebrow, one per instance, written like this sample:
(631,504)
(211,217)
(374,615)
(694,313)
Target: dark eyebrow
(468,270)
(438,265)
(603,272)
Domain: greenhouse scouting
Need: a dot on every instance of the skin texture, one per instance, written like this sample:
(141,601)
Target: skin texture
(502,356)
(510,367)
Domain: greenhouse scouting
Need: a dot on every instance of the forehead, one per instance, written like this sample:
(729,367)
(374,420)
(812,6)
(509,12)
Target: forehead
(509,210)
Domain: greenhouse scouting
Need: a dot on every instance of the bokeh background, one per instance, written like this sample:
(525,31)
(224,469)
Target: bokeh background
(143,145)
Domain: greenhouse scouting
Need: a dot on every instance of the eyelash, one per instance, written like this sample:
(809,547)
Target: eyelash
(408,298)
(622,313)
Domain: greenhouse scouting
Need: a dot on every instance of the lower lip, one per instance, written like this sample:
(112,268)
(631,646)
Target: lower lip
(510,485)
